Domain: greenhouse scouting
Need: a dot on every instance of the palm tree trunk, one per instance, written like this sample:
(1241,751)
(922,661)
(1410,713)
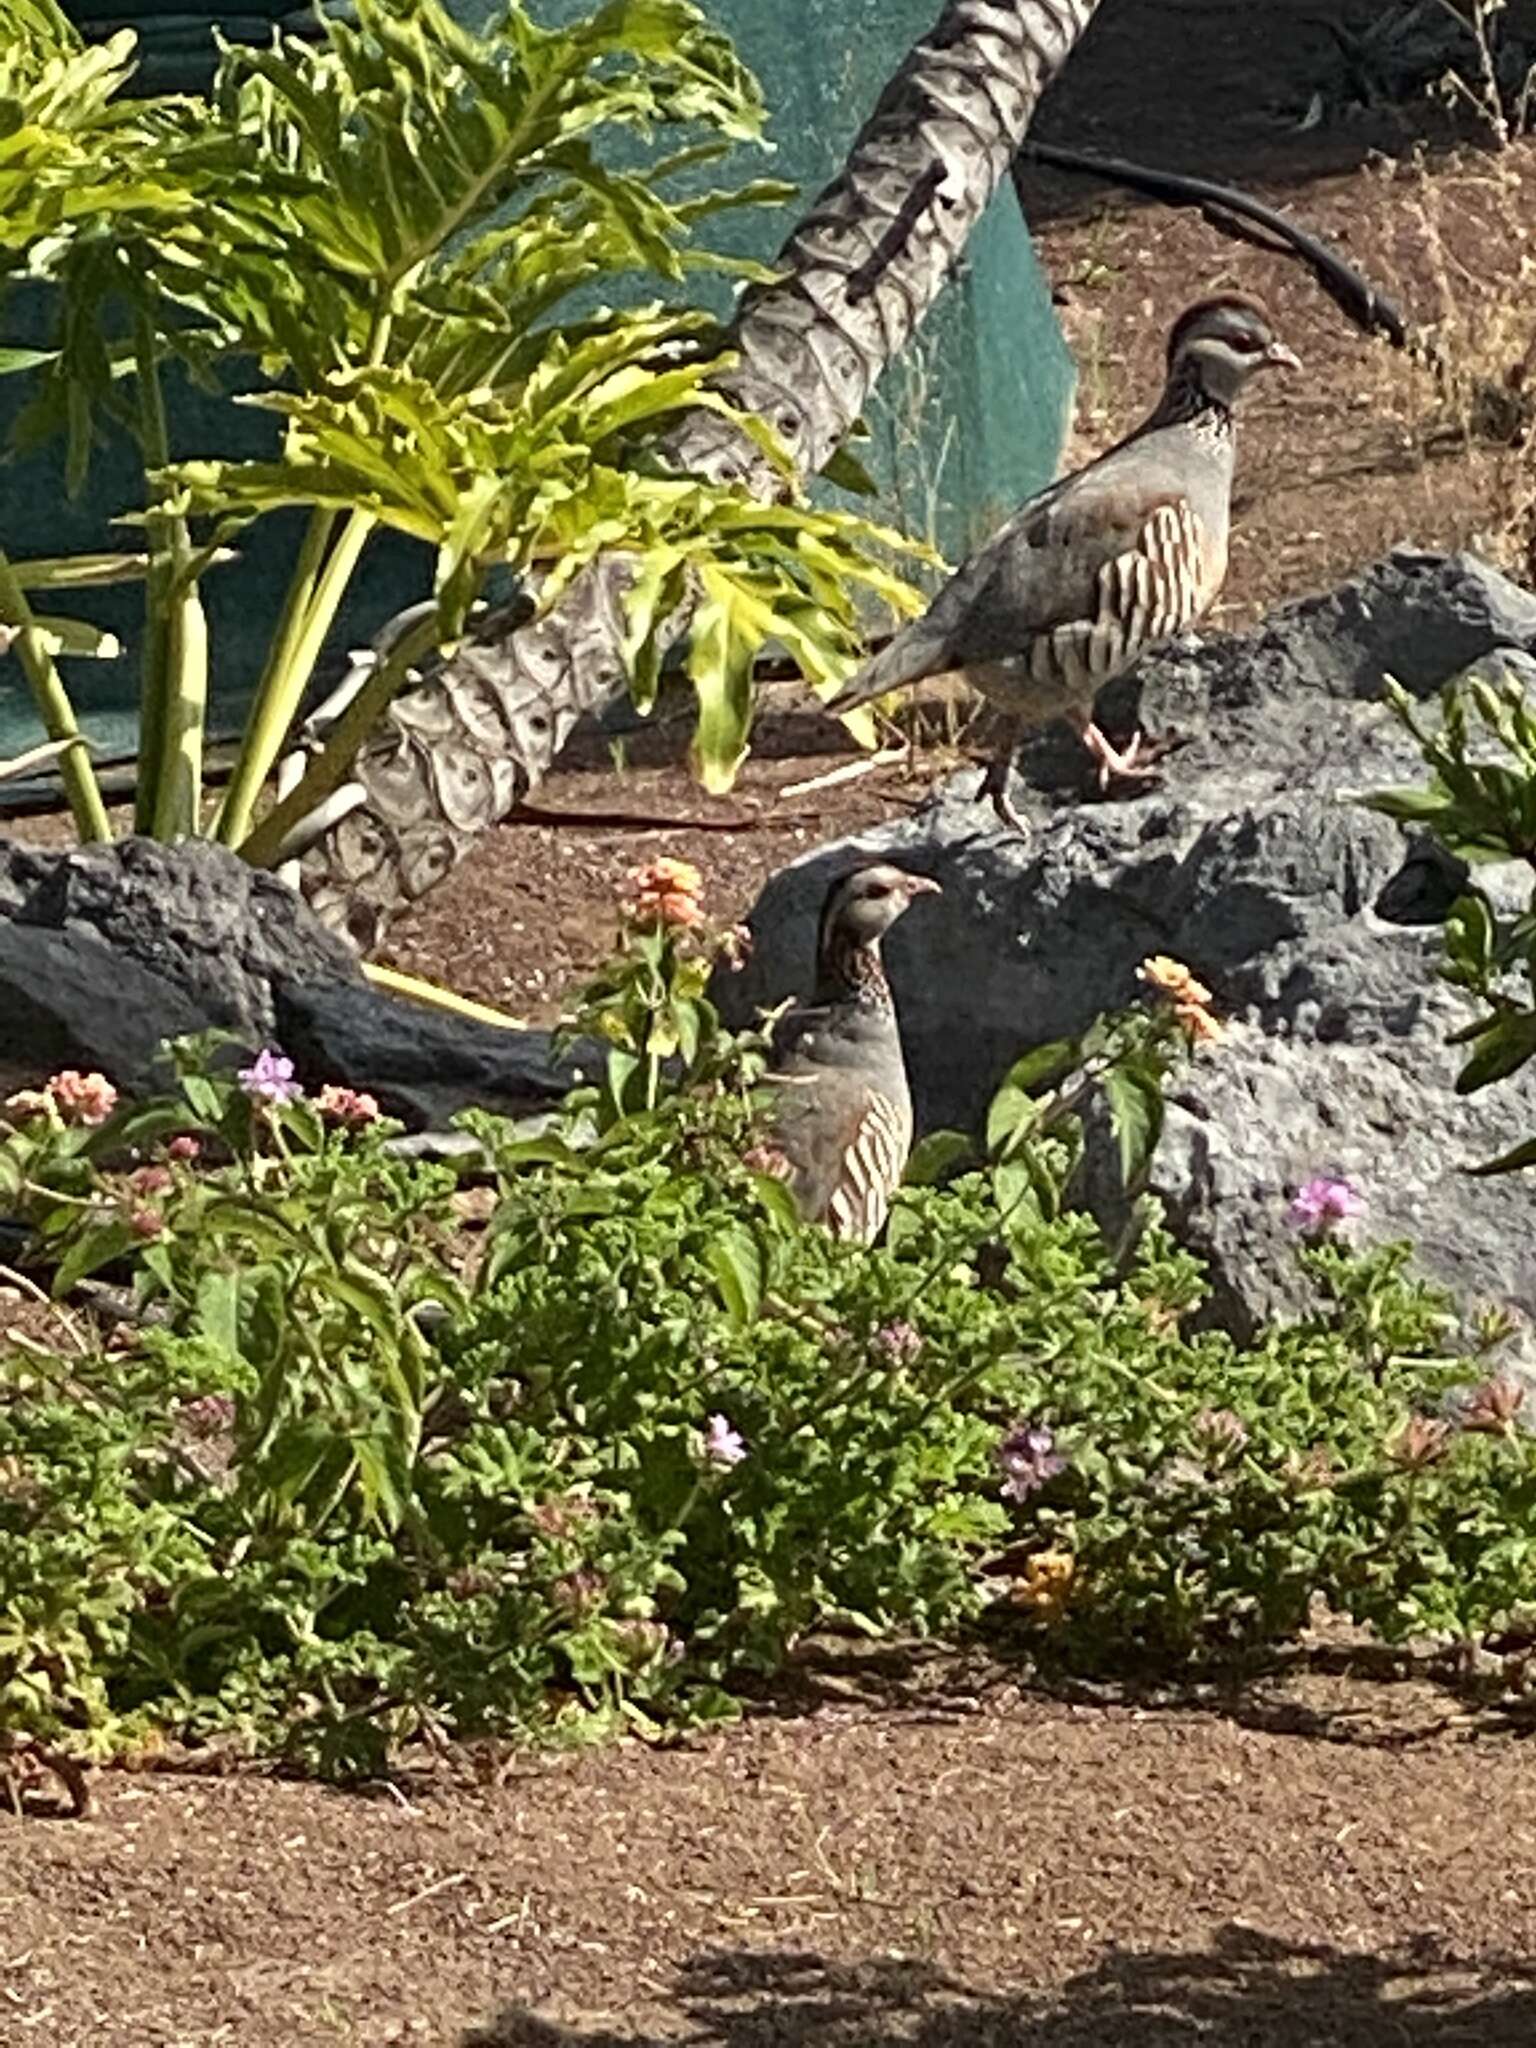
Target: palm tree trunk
(858,274)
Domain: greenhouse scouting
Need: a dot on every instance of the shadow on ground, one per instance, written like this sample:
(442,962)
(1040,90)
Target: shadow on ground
(1247,1991)
(1353,1691)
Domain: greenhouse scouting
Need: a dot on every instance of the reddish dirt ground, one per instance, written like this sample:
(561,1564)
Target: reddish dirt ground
(1334,1861)
(960,1865)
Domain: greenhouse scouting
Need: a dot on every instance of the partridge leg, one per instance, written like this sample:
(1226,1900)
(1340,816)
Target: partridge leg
(1133,764)
(994,785)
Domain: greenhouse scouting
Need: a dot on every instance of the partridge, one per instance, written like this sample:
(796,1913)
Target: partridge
(1100,565)
(841,1125)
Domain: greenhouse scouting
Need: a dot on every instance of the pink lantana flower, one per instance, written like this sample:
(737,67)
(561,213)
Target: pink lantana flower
(1323,1202)
(346,1105)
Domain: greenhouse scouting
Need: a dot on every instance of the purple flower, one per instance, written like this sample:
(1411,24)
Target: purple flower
(1028,1459)
(898,1342)
(580,1591)
(721,1444)
(1324,1201)
(270,1077)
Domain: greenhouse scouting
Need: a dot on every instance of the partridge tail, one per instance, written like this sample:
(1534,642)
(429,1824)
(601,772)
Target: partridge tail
(912,656)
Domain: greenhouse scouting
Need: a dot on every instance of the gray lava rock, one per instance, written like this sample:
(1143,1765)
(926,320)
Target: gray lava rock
(1314,922)
(66,1000)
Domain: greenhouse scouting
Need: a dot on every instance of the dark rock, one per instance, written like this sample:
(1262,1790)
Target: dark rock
(421,1065)
(1315,923)
(66,1000)
(194,914)
(105,951)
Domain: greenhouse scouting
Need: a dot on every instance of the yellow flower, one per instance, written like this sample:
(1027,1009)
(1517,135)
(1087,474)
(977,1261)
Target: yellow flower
(1190,998)
(1203,1028)
(1173,978)
(1047,1583)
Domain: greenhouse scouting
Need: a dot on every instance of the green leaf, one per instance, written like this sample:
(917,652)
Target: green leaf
(1135,1101)
(1044,1065)
(727,629)
(778,1200)
(736,1260)
(97,1245)
(1523,1154)
(1502,1047)
(78,638)
(1012,1114)
(13,360)
(937,1157)
(79,572)
(847,473)
(204,1097)
(136,1126)
(1410,806)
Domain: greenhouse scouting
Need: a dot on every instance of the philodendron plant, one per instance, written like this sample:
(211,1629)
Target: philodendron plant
(384,227)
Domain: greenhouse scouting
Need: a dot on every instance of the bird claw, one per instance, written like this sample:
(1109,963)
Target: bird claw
(1010,819)
(1136,762)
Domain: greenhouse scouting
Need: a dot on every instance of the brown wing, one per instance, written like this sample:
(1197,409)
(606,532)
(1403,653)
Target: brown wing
(1151,590)
(845,1145)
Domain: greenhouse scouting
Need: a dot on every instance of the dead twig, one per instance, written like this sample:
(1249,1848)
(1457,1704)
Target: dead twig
(848,771)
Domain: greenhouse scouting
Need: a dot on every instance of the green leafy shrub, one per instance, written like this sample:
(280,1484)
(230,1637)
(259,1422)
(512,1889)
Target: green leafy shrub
(1480,803)
(366,1480)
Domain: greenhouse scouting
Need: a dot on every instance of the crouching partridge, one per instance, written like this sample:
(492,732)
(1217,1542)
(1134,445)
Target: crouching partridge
(841,1123)
(1102,564)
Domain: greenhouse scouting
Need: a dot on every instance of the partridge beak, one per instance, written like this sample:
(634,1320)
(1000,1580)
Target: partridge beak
(923,885)
(1282,357)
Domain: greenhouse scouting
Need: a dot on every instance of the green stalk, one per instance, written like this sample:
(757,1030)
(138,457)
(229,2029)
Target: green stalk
(58,714)
(315,592)
(334,763)
(278,707)
(173,703)
(239,799)
(179,794)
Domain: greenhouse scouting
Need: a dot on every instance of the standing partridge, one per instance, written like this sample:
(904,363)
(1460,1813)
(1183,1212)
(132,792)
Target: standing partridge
(841,1124)
(1100,565)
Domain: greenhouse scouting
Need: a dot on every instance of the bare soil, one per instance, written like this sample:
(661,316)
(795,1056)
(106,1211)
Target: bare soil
(1332,1859)
(946,1861)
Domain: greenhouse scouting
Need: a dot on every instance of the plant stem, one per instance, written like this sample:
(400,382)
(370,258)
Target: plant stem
(332,766)
(173,702)
(58,714)
(315,592)
(179,795)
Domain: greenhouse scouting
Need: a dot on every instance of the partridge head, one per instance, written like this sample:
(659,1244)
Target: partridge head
(1217,344)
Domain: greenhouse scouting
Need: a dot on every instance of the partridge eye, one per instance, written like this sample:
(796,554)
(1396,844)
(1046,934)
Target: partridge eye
(1247,344)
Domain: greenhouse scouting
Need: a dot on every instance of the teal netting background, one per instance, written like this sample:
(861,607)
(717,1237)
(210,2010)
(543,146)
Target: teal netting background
(970,420)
